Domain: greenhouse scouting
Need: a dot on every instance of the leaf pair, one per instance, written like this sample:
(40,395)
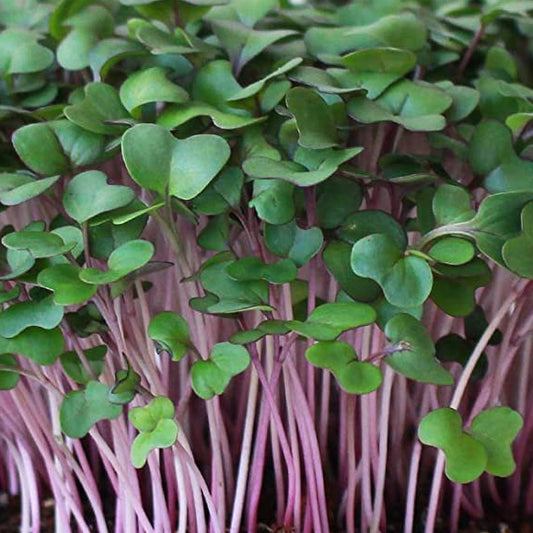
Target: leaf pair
(159,162)
(355,377)
(485,446)
(406,280)
(211,377)
(157,427)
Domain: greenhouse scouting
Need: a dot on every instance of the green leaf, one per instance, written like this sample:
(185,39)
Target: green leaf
(466,457)
(368,222)
(41,345)
(122,261)
(163,435)
(490,146)
(314,119)
(289,240)
(454,287)
(171,332)
(252,268)
(37,243)
(517,251)
(465,100)
(20,316)
(496,429)
(75,369)
(176,115)
(416,106)
(327,163)
(403,31)
(406,281)
(88,194)
(337,198)
(148,86)
(453,348)
(8,380)
(101,104)
(451,204)
(40,149)
(258,85)
(227,295)
(497,220)
(18,188)
(211,377)
(125,387)
(81,409)
(273,201)
(452,251)
(20,53)
(412,352)
(156,160)
(88,26)
(329,320)
(337,256)
(64,280)
(355,377)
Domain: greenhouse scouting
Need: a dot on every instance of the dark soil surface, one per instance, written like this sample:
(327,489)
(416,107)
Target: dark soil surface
(10,521)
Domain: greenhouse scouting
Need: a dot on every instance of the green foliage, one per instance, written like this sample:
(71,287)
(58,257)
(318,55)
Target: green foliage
(311,171)
(485,446)
(81,409)
(211,376)
(157,429)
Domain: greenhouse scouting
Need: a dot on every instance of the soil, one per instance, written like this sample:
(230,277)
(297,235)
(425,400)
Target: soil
(10,521)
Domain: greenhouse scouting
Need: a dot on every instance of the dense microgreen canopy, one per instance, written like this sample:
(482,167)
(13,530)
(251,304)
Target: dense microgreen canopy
(195,190)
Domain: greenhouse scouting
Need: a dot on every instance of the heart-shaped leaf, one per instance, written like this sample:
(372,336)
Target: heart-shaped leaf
(289,240)
(64,280)
(20,316)
(124,260)
(148,86)
(88,194)
(329,320)
(37,243)
(273,201)
(156,160)
(466,457)
(337,257)
(355,377)
(41,345)
(363,223)
(412,352)
(100,105)
(406,281)
(163,435)
(171,332)
(226,295)
(496,429)
(414,105)
(211,377)
(81,409)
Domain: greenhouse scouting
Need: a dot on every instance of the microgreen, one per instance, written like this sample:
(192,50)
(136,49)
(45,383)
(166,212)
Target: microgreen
(295,232)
